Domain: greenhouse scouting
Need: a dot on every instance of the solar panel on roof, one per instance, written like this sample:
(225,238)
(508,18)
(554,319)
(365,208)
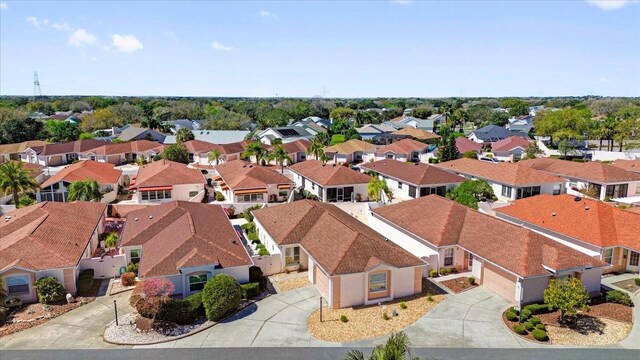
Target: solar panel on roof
(288,132)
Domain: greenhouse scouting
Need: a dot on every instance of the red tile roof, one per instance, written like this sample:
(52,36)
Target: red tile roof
(103,173)
(181,234)
(593,171)
(137,146)
(443,222)
(239,174)
(20,147)
(588,220)
(165,172)
(48,235)
(77,146)
(300,145)
(413,173)
(510,143)
(338,242)
(463,144)
(404,146)
(329,175)
(350,146)
(504,173)
(629,165)
(419,134)
(199,147)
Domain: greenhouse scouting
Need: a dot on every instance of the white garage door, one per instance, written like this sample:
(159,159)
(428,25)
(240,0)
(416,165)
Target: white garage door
(499,281)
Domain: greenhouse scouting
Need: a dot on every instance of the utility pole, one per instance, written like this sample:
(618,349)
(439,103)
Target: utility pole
(36,85)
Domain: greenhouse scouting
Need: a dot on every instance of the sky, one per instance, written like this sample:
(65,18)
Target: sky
(321,48)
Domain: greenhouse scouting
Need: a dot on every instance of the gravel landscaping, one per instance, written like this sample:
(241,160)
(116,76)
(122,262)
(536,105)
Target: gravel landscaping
(285,282)
(590,331)
(629,285)
(458,285)
(117,287)
(127,333)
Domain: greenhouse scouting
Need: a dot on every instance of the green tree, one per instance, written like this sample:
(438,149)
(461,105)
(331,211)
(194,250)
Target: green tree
(566,295)
(565,147)
(316,148)
(517,107)
(532,151)
(184,135)
(396,348)
(15,130)
(470,192)
(176,152)
(280,156)
(498,118)
(86,135)
(14,179)
(378,189)
(62,131)
(422,112)
(341,113)
(214,155)
(253,149)
(221,296)
(111,241)
(273,118)
(447,149)
(84,190)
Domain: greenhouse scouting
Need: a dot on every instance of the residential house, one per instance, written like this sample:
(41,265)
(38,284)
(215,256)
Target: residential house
(520,123)
(47,239)
(330,183)
(214,136)
(164,180)
(284,133)
(58,153)
(629,165)
(369,131)
(513,261)
(465,145)
(187,243)
(199,151)
(350,151)
(406,150)
(418,134)
(228,152)
(349,263)
(508,181)
(590,226)
(605,180)
(56,187)
(296,150)
(424,124)
(510,149)
(139,133)
(493,133)
(533,110)
(122,153)
(244,182)
(310,126)
(176,125)
(13,151)
(413,180)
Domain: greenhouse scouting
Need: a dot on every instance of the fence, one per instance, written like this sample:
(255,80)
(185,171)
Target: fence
(105,267)
(268,264)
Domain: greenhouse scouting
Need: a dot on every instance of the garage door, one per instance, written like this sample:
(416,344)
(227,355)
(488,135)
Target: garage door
(499,281)
(322,282)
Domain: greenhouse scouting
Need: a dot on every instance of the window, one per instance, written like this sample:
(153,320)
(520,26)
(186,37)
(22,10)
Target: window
(313,186)
(399,185)
(135,255)
(17,284)
(608,256)
(412,191)
(506,191)
(528,191)
(634,258)
(157,195)
(438,190)
(292,256)
(378,282)
(615,191)
(557,189)
(250,198)
(638,189)
(283,193)
(448,257)
(196,282)
(193,193)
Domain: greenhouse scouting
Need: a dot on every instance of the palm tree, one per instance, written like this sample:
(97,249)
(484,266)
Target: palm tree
(253,149)
(316,148)
(377,188)
(184,135)
(214,156)
(112,240)
(14,180)
(84,190)
(280,156)
(396,348)
(324,158)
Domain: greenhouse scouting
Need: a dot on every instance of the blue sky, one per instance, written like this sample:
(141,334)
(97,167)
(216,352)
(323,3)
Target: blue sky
(335,49)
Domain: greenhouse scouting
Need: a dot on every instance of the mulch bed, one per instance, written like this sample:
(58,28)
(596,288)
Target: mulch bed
(30,315)
(629,285)
(528,336)
(458,285)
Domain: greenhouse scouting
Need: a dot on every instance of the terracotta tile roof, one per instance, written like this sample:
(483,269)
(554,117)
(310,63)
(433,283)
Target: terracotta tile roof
(404,146)
(296,146)
(588,220)
(77,146)
(350,146)
(510,143)
(329,175)
(232,148)
(33,169)
(635,210)
(239,174)
(181,234)
(103,173)
(463,144)
(338,242)
(504,173)
(443,222)
(629,165)
(48,235)
(417,174)
(199,147)
(137,146)
(165,172)
(415,133)
(593,171)
(20,147)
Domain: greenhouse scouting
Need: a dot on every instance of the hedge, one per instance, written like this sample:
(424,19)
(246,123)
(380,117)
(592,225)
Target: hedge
(250,290)
(540,335)
(181,312)
(221,296)
(445,271)
(433,273)
(538,309)
(525,314)
(637,281)
(49,290)
(618,297)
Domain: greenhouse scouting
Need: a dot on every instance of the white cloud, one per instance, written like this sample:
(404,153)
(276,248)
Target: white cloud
(126,43)
(62,26)
(268,14)
(37,22)
(4,6)
(216,45)
(608,4)
(401,2)
(81,37)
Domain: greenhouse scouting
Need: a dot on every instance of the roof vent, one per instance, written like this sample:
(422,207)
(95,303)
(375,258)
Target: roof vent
(136,219)
(553,214)
(577,198)
(586,208)
(150,216)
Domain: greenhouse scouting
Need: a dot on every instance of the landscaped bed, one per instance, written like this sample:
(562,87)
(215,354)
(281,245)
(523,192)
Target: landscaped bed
(365,322)
(459,284)
(286,282)
(127,332)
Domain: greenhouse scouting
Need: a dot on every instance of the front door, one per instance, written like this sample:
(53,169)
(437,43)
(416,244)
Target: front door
(470,262)
(340,195)
(634,260)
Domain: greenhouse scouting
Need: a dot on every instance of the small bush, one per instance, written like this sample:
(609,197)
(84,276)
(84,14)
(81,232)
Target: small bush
(515,310)
(385,315)
(403,305)
(525,314)
(144,324)
(344,318)
(535,320)
(250,290)
(472,281)
(540,335)
(196,301)
(511,316)
(445,271)
(253,236)
(131,267)
(538,309)
(619,297)
(221,296)
(128,279)
(520,329)
(433,273)
(219,196)
(255,273)
(248,227)
(4,312)
(541,327)
(49,290)
(637,281)
(528,325)
(262,250)
(429,298)
(181,312)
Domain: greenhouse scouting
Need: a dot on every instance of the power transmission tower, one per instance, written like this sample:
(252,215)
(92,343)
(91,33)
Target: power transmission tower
(36,85)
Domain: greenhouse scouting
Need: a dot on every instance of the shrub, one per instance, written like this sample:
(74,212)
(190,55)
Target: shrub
(221,296)
(150,295)
(515,310)
(470,155)
(519,329)
(528,325)
(618,297)
(525,314)
(128,279)
(511,316)
(433,273)
(538,309)
(219,196)
(637,281)
(344,318)
(250,290)
(445,271)
(385,315)
(429,298)
(4,312)
(262,250)
(472,281)
(181,312)
(143,324)
(403,305)
(49,290)
(253,236)
(131,267)
(541,327)
(196,301)
(248,227)
(540,335)
(535,320)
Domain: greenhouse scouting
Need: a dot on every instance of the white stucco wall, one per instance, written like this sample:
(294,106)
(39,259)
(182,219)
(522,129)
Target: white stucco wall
(416,247)
(352,289)
(533,289)
(592,279)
